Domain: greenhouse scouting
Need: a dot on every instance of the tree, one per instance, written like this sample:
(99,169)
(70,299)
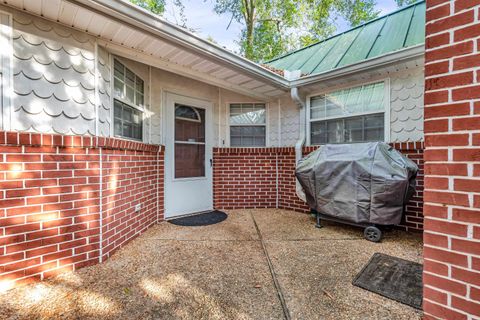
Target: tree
(158,7)
(264,23)
(155,6)
(272,27)
(403,3)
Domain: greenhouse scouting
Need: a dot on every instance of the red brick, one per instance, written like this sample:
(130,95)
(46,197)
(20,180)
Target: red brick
(436,155)
(447,110)
(435,211)
(472,123)
(467,185)
(434,3)
(437,41)
(469,32)
(465,4)
(446,169)
(468,306)
(445,256)
(447,198)
(466,93)
(436,183)
(435,295)
(475,293)
(466,215)
(435,267)
(459,49)
(448,81)
(441,312)
(466,276)
(435,239)
(467,246)
(466,62)
(444,284)
(435,97)
(476,139)
(450,22)
(436,126)
(445,227)
(438,12)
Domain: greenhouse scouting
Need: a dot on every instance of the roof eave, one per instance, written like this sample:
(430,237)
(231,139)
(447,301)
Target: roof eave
(147,21)
(385,60)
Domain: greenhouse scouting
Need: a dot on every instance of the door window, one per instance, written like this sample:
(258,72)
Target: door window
(189,142)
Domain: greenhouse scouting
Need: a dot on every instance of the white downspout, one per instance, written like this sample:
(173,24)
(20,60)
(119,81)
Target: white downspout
(293,75)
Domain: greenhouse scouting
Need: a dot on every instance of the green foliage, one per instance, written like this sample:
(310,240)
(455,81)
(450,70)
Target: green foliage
(403,3)
(358,11)
(155,6)
(272,27)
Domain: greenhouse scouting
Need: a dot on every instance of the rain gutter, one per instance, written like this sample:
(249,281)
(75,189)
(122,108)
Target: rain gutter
(385,60)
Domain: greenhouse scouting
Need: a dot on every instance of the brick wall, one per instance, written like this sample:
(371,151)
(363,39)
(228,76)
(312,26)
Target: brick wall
(247,178)
(130,179)
(452,160)
(244,178)
(50,208)
(413,219)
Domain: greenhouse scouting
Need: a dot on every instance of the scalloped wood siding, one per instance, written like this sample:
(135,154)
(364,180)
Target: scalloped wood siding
(104,92)
(406,103)
(54,79)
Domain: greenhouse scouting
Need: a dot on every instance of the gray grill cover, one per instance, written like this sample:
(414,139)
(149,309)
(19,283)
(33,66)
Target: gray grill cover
(360,182)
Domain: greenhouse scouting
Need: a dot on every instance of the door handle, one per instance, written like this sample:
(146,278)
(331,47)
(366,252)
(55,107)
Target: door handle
(211,163)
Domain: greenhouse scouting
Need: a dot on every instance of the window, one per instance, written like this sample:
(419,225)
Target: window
(128,102)
(351,115)
(189,142)
(247,125)
(128,121)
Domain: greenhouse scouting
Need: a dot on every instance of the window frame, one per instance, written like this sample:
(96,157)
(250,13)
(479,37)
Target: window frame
(140,108)
(386,111)
(229,125)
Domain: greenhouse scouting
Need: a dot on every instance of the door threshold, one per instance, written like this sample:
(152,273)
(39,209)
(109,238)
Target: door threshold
(188,214)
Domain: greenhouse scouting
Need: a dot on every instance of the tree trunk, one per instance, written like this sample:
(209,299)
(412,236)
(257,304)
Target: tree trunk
(250,21)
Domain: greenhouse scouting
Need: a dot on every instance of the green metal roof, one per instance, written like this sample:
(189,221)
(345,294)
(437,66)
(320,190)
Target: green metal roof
(398,30)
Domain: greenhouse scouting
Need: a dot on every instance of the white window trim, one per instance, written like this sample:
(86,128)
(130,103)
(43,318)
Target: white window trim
(266,124)
(6,72)
(142,108)
(386,110)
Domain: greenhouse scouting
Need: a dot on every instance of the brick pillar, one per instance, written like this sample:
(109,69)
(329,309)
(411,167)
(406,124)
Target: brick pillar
(452,160)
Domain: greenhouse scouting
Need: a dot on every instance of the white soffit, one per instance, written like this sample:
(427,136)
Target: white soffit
(134,33)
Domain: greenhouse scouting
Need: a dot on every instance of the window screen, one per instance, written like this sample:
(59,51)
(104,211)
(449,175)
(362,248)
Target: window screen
(351,115)
(247,125)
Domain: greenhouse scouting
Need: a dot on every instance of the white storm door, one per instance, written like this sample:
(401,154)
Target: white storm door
(188,156)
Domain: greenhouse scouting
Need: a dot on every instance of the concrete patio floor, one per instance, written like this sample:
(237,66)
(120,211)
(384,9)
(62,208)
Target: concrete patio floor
(222,272)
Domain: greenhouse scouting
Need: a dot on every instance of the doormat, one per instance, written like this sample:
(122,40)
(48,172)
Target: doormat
(202,219)
(394,278)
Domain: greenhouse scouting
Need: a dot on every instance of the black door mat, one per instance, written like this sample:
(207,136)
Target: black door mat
(394,278)
(202,219)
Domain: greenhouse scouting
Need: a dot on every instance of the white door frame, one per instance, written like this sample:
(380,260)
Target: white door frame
(202,200)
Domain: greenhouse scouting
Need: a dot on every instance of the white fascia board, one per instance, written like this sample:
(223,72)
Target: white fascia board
(143,19)
(386,60)
(177,69)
